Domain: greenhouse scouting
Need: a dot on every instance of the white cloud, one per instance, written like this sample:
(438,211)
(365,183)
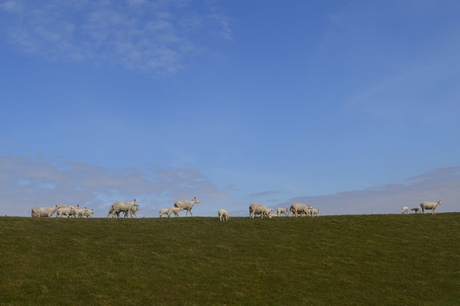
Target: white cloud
(26,183)
(440,184)
(148,36)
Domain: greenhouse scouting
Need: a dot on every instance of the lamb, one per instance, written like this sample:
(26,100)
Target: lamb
(268,212)
(65,211)
(429,206)
(223,215)
(284,211)
(405,210)
(80,212)
(88,213)
(417,210)
(174,210)
(163,211)
(314,212)
(187,205)
(133,211)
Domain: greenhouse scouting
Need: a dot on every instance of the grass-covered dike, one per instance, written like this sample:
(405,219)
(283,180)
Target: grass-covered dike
(328,260)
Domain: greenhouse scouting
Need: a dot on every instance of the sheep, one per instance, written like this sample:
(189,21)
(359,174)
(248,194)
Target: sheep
(66,211)
(118,207)
(187,205)
(80,212)
(88,213)
(38,212)
(133,211)
(405,210)
(284,211)
(416,210)
(174,210)
(257,209)
(268,212)
(299,208)
(429,206)
(163,211)
(223,215)
(314,212)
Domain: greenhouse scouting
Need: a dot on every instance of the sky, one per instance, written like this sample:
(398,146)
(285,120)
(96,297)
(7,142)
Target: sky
(350,106)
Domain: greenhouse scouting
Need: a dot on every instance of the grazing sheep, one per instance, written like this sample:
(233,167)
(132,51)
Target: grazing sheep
(314,212)
(281,210)
(187,205)
(257,209)
(223,215)
(299,208)
(163,211)
(174,210)
(417,210)
(429,206)
(268,212)
(405,210)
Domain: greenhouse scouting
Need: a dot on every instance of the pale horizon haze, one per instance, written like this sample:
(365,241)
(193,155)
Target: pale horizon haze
(350,106)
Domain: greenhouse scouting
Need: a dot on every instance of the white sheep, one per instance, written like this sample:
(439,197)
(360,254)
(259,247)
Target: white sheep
(223,215)
(299,208)
(429,206)
(281,210)
(417,210)
(187,205)
(38,212)
(174,210)
(118,207)
(256,209)
(163,211)
(314,212)
(405,210)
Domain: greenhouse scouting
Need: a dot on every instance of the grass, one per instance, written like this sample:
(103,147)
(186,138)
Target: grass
(329,260)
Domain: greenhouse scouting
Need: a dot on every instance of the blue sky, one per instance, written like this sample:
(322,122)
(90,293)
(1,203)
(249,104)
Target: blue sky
(350,106)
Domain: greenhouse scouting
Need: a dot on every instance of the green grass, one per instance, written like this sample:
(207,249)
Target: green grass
(329,260)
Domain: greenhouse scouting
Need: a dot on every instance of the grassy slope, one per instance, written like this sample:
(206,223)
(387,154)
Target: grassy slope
(330,260)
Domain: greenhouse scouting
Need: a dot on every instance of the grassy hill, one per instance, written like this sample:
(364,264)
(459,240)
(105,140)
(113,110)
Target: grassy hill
(329,260)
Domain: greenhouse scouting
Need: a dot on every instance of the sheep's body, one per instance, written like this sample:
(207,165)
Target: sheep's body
(405,210)
(429,206)
(118,207)
(45,212)
(257,209)
(187,205)
(223,215)
(299,208)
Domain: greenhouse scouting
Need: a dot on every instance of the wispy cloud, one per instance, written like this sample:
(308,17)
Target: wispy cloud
(25,183)
(153,36)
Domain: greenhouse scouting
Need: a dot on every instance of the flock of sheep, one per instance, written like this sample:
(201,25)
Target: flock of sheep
(129,209)
(423,206)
